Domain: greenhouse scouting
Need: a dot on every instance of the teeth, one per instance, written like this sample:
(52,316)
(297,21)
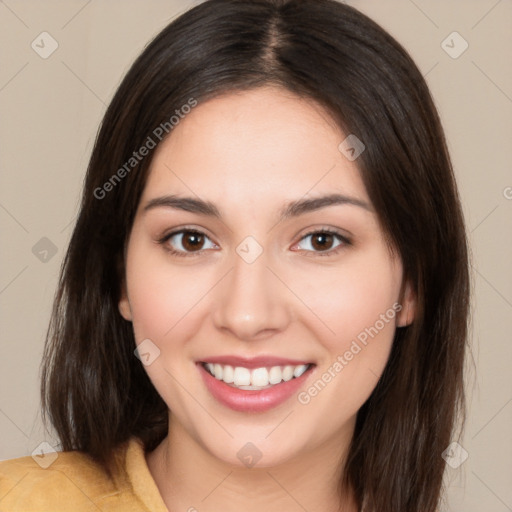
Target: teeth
(257,378)
(288,373)
(217,370)
(275,375)
(299,370)
(229,374)
(242,376)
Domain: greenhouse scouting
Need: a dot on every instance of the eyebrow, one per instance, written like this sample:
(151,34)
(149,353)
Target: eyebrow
(292,209)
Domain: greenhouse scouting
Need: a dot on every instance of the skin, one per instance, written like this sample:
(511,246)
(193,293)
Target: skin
(251,153)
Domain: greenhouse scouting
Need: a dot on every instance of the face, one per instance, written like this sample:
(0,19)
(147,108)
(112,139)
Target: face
(234,259)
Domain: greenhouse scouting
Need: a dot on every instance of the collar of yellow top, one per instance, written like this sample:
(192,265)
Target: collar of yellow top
(141,480)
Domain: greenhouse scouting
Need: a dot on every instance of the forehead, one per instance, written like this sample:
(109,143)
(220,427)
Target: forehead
(263,146)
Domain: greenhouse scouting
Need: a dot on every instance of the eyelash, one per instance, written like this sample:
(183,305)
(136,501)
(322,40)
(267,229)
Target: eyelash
(330,252)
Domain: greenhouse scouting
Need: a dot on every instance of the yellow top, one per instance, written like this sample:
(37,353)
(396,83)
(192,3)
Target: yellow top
(75,483)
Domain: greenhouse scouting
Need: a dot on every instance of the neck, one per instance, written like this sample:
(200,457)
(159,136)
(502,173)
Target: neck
(189,478)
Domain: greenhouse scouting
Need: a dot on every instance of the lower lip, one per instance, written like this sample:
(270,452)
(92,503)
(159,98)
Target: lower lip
(252,400)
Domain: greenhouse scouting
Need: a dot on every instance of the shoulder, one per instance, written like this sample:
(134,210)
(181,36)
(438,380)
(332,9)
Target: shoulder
(63,481)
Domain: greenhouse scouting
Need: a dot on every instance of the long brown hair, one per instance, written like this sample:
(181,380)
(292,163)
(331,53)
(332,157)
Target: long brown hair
(96,392)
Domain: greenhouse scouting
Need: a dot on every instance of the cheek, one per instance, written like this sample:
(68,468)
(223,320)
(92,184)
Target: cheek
(161,295)
(164,301)
(359,305)
(357,301)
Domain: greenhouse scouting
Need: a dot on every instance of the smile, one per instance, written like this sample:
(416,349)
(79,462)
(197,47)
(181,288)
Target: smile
(257,378)
(256,386)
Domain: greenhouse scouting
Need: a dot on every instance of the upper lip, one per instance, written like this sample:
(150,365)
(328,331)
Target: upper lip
(254,362)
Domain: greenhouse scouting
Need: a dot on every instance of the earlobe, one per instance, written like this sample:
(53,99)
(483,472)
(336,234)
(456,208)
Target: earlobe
(408,301)
(124,305)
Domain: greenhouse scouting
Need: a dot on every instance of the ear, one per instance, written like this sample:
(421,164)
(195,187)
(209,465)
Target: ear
(408,301)
(124,304)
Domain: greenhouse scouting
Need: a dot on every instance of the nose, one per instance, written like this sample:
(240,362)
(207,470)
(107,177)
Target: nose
(251,302)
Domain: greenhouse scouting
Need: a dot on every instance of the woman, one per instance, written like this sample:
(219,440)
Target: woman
(270,223)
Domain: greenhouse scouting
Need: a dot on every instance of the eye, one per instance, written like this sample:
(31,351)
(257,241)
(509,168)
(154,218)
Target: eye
(186,241)
(323,241)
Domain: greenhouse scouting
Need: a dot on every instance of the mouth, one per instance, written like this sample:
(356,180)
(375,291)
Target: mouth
(255,379)
(255,386)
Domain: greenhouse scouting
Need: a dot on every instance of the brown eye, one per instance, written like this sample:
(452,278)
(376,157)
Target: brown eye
(323,241)
(192,241)
(187,241)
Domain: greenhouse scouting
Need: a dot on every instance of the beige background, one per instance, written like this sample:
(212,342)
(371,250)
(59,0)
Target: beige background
(50,111)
